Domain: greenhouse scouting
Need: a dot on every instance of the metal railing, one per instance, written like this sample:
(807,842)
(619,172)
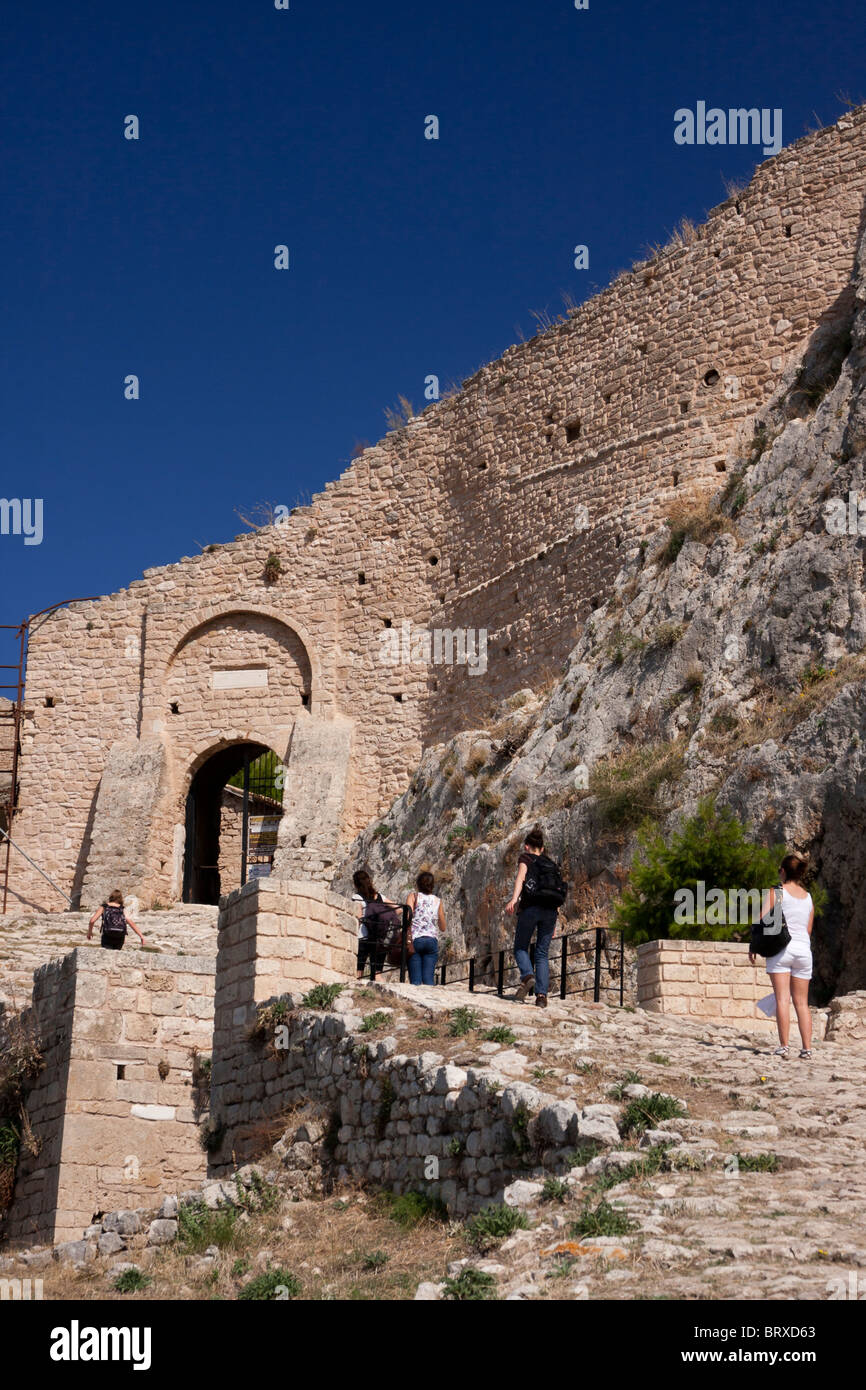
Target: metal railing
(579,953)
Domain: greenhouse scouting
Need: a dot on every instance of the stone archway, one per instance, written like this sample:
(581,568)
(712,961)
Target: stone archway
(217,820)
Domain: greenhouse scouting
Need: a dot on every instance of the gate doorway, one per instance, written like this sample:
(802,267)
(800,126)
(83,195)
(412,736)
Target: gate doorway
(233,809)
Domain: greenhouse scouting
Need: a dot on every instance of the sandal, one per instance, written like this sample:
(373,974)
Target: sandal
(781,1052)
(806,1053)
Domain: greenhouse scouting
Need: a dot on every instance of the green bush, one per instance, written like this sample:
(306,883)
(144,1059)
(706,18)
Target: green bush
(276,1283)
(711,846)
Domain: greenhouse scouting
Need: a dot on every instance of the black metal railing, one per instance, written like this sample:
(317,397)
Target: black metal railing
(579,954)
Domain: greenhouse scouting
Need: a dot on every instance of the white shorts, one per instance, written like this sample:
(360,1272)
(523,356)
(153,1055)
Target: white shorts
(796,960)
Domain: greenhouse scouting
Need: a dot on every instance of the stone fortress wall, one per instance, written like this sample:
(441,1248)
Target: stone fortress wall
(466,517)
(114,1112)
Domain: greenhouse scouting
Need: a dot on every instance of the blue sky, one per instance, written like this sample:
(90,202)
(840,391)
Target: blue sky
(408,256)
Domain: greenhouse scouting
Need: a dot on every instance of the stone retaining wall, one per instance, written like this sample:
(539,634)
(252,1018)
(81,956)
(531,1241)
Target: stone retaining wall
(712,980)
(400,1122)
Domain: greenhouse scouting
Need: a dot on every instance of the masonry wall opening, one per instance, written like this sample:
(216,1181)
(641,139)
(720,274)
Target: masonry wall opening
(233,811)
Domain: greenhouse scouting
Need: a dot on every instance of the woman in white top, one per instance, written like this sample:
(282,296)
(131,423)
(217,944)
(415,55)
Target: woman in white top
(791,969)
(428,920)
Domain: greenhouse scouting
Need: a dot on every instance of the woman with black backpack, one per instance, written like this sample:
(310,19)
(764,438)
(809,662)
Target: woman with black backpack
(539,892)
(378,920)
(114,923)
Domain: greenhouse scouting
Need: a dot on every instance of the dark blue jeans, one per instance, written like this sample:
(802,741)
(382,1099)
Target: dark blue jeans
(422,962)
(530,920)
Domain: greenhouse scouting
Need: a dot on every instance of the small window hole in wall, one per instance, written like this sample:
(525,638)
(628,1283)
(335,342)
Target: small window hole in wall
(642,349)
(684,407)
(572,430)
(50,701)
(606,397)
(174,707)
(305,699)
(456,575)
(387,622)
(675,477)
(399,698)
(516,596)
(482,464)
(506,651)
(434,559)
(362,578)
(721,466)
(441,598)
(121,1073)
(303,841)
(787,229)
(711,377)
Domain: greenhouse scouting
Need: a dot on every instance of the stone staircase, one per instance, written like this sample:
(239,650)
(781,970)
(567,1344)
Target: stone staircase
(30,939)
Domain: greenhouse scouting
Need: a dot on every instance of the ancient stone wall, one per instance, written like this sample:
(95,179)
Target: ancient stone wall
(397,1121)
(114,1113)
(504,508)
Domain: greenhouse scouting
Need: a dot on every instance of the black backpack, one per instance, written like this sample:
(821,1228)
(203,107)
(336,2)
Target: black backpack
(544,885)
(770,935)
(113,921)
(384,924)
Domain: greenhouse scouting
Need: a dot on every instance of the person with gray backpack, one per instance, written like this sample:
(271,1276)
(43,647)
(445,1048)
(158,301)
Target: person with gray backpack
(539,892)
(114,923)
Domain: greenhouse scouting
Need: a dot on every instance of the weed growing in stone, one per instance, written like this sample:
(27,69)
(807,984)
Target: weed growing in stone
(373,1021)
(198,1227)
(470,1285)
(757,1163)
(409,1209)
(493,1224)
(647,1111)
(131,1281)
(462,1021)
(500,1034)
(279,1284)
(321,996)
(602,1220)
(555,1190)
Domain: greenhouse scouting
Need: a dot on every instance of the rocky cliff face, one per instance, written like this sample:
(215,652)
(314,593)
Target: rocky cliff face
(729,658)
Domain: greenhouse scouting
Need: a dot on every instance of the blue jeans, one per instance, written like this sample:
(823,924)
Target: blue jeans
(544,920)
(422,962)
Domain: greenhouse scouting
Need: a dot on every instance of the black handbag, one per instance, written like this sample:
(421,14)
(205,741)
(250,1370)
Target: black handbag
(770,935)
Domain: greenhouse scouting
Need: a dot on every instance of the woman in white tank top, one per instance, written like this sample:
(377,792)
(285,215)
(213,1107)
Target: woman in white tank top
(428,920)
(791,970)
